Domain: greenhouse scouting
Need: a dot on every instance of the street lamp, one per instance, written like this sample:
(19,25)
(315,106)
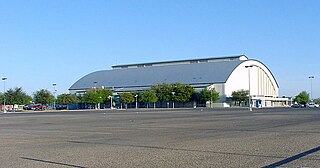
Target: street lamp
(210,89)
(250,106)
(136,96)
(54,95)
(311,77)
(4,95)
(173,99)
(95,91)
(110,97)
(95,86)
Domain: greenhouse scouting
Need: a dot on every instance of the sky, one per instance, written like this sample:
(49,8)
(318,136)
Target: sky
(44,42)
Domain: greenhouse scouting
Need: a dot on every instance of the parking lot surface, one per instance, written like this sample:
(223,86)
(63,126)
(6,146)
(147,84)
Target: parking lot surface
(279,137)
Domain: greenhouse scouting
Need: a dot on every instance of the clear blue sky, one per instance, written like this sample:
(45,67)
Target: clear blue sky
(59,41)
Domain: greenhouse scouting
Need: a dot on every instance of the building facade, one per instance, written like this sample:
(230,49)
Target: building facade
(225,74)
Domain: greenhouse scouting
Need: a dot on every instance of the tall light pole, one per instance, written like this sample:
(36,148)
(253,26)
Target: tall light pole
(210,97)
(95,91)
(173,99)
(4,95)
(311,77)
(110,97)
(136,96)
(54,95)
(95,85)
(250,106)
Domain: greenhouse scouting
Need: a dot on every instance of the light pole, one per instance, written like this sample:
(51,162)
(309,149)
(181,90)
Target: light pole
(250,106)
(95,91)
(54,95)
(173,99)
(95,85)
(210,101)
(136,96)
(311,77)
(110,97)
(4,95)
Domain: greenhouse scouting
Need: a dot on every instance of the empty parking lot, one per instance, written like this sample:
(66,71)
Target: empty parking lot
(162,138)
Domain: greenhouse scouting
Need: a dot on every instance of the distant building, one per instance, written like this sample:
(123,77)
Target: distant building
(225,74)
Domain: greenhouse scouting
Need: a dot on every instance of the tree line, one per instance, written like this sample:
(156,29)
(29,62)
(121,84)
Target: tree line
(176,92)
(162,93)
(43,96)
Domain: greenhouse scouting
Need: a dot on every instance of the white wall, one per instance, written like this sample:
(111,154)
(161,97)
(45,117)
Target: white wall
(262,82)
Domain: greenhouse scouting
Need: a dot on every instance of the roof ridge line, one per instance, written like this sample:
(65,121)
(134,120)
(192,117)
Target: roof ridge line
(187,61)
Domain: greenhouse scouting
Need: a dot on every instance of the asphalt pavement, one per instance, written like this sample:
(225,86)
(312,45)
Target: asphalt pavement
(229,137)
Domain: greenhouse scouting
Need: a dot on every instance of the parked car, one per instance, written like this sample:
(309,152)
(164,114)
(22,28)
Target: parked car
(61,106)
(312,105)
(29,107)
(299,105)
(296,106)
(40,107)
(303,104)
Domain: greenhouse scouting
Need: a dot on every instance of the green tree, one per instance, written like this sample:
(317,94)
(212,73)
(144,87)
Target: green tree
(182,92)
(205,95)
(67,99)
(43,96)
(91,97)
(127,98)
(240,96)
(149,96)
(96,96)
(209,95)
(163,91)
(302,97)
(17,96)
(104,94)
(173,92)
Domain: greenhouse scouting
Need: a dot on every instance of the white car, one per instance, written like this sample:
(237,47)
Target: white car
(311,105)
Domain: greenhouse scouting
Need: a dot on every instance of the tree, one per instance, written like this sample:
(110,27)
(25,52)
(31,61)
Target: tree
(209,95)
(240,96)
(182,92)
(149,96)
(104,95)
(127,98)
(17,96)
(302,97)
(174,92)
(67,99)
(90,97)
(96,96)
(43,96)
(163,91)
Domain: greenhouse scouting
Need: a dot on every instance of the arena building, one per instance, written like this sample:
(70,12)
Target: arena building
(225,74)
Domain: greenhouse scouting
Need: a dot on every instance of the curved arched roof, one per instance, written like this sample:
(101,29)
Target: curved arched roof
(262,65)
(197,73)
